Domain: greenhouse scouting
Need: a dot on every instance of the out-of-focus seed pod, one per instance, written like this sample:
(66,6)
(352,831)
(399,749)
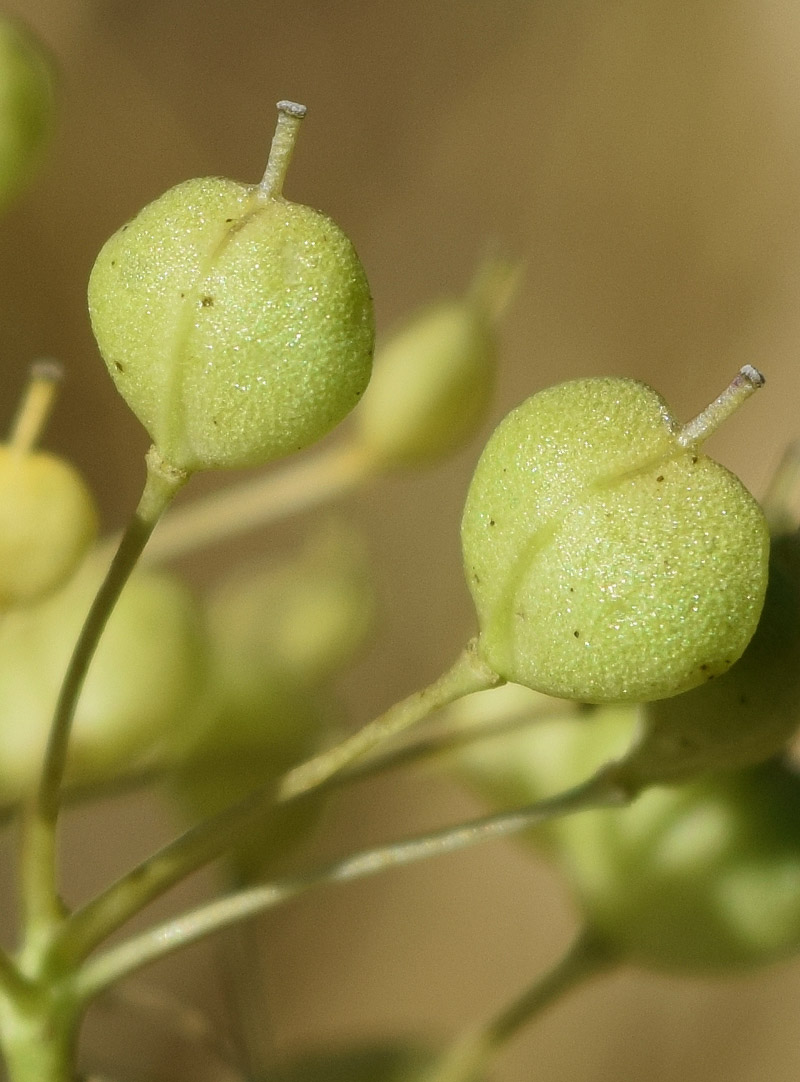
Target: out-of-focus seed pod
(27,106)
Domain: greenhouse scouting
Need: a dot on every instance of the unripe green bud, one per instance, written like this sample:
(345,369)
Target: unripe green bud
(27,94)
(608,559)
(433,380)
(47,515)
(145,688)
(47,523)
(238,326)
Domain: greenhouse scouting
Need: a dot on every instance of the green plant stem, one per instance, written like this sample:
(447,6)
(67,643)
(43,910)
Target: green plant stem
(41,904)
(260,501)
(92,924)
(98,974)
(470,673)
(470,1055)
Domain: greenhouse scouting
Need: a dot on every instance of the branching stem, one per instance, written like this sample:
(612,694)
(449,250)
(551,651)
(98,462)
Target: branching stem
(41,904)
(113,965)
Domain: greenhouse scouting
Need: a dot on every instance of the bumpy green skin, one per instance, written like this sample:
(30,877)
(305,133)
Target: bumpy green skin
(27,105)
(47,523)
(238,327)
(607,562)
(145,689)
(432,385)
(751,711)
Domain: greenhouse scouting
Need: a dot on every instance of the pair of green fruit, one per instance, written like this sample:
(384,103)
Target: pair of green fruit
(608,558)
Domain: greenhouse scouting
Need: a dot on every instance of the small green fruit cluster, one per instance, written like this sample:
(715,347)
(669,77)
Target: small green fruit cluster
(27,105)
(237,325)
(608,558)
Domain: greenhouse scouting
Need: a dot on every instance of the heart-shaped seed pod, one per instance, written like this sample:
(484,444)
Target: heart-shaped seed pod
(237,325)
(608,558)
(27,105)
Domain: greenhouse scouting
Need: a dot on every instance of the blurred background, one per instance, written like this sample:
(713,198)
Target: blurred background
(643,159)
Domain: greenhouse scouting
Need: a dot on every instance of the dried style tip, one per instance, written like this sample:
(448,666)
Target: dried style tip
(290,114)
(34,410)
(746,382)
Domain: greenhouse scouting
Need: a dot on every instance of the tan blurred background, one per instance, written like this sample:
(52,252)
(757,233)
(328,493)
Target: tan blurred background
(643,158)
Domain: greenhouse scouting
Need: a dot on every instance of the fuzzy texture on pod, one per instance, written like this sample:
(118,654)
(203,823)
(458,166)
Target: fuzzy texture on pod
(237,326)
(27,106)
(747,714)
(47,523)
(607,561)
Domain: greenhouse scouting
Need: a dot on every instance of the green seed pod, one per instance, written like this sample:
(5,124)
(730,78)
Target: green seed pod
(238,326)
(434,379)
(47,515)
(746,715)
(47,523)
(608,559)
(697,878)
(145,689)
(27,105)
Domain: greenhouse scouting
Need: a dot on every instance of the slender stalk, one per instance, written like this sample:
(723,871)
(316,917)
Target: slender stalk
(93,923)
(470,673)
(89,926)
(471,1054)
(259,501)
(601,790)
(42,906)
